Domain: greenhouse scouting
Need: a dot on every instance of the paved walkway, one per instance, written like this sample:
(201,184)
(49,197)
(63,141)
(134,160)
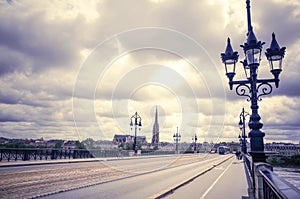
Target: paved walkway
(232,183)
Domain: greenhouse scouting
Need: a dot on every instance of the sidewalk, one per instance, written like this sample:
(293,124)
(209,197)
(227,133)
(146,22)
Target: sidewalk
(232,183)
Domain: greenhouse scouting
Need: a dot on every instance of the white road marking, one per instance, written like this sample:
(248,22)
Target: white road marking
(215,182)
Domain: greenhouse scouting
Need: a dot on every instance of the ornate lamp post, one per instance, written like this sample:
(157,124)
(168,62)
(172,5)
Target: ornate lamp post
(240,140)
(176,138)
(242,124)
(195,143)
(253,88)
(135,121)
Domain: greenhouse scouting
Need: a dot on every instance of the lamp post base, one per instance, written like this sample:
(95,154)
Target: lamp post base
(258,156)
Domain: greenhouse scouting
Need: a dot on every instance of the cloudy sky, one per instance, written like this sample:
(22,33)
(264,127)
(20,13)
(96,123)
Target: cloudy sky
(72,69)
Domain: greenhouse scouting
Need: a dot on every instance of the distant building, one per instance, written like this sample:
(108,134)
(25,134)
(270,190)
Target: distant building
(283,148)
(52,143)
(155,132)
(105,144)
(166,146)
(206,146)
(118,139)
(234,146)
(69,144)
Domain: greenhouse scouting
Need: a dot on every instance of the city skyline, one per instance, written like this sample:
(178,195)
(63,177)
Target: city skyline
(76,69)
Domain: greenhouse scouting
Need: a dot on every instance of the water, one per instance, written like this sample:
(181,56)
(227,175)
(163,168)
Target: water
(292,175)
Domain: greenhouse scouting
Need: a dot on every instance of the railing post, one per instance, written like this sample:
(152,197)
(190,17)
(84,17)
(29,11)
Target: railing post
(8,157)
(258,178)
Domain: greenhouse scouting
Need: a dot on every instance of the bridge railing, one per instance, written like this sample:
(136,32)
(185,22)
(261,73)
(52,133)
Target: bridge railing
(275,187)
(249,172)
(264,184)
(16,154)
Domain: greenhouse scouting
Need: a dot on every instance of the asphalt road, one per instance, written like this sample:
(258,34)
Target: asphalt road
(152,177)
(227,180)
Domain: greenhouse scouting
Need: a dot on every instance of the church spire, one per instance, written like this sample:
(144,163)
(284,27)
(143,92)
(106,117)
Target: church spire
(155,132)
(156,121)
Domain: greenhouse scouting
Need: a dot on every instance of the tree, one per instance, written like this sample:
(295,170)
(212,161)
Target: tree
(155,148)
(138,145)
(89,143)
(129,146)
(58,144)
(79,145)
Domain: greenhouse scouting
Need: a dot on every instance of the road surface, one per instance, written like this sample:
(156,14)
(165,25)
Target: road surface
(150,177)
(151,182)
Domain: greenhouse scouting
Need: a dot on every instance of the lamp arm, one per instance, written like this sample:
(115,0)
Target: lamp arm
(240,82)
(266,80)
(243,90)
(264,88)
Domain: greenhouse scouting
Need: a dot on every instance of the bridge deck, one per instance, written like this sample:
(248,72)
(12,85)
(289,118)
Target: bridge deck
(227,180)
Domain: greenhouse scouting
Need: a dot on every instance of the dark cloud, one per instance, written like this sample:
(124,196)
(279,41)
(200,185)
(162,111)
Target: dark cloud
(38,43)
(289,87)
(289,135)
(281,18)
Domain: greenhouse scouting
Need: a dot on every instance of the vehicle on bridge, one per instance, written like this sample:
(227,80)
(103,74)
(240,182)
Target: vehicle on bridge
(223,150)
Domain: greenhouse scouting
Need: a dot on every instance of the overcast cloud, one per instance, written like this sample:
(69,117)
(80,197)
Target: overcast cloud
(76,69)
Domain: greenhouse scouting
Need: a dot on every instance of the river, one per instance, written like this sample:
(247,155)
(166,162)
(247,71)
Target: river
(292,175)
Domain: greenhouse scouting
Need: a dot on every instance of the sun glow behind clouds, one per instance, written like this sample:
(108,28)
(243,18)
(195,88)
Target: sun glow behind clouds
(143,79)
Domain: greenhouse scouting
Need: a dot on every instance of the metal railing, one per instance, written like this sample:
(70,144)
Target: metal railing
(264,184)
(249,171)
(24,154)
(15,154)
(276,187)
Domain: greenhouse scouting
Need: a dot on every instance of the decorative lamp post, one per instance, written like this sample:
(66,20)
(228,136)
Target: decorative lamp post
(240,141)
(135,121)
(195,143)
(254,88)
(176,138)
(242,124)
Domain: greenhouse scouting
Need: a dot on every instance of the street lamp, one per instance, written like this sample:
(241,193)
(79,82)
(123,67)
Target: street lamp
(135,121)
(254,88)
(195,143)
(241,145)
(176,138)
(242,124)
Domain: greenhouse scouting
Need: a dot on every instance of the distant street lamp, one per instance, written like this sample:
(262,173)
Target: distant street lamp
(240,140)
(195,143)
(135,121)
(176,138)
(242,124)
(254,88)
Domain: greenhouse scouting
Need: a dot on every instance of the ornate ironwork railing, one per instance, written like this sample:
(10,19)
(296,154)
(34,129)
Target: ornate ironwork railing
(16,154)
(9,154)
